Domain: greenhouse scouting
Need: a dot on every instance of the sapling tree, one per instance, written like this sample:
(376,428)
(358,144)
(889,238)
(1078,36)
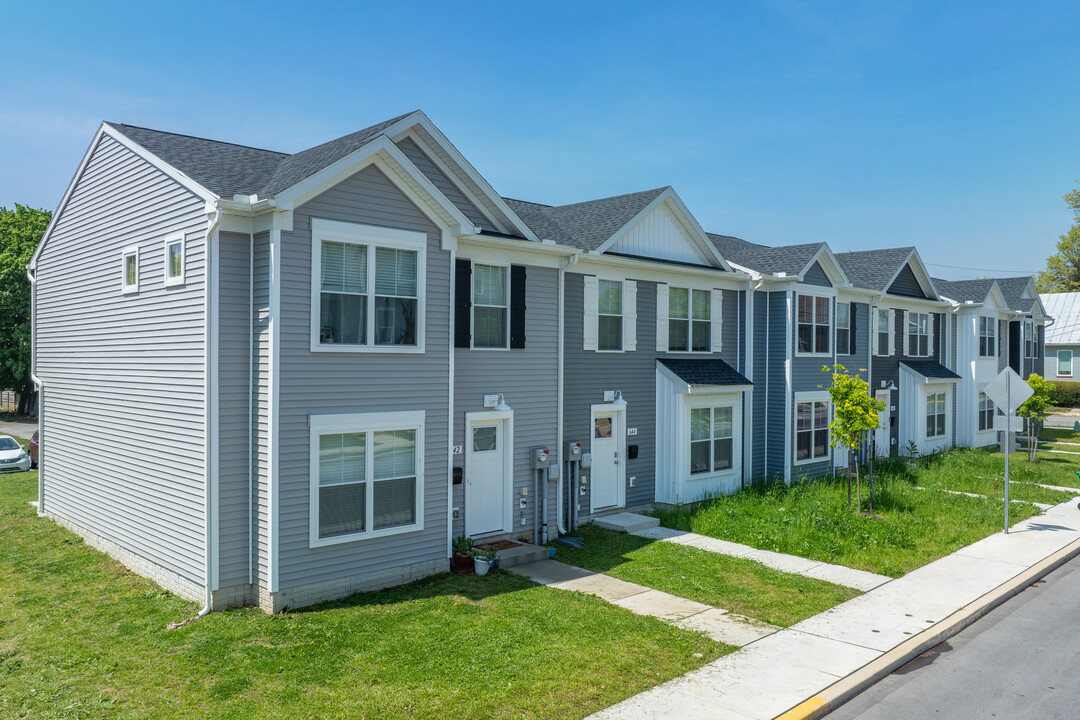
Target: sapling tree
(1035,409)
(855,413)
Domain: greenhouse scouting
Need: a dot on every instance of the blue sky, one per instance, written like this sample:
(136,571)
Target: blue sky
(954,126)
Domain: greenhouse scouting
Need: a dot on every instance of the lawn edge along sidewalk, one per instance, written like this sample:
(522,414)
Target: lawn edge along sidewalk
(846,688)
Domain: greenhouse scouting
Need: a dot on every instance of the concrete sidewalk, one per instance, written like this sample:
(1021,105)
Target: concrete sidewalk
(805,670)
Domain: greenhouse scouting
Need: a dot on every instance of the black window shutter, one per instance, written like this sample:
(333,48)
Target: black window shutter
(852,331)
(517,307)
(463,304)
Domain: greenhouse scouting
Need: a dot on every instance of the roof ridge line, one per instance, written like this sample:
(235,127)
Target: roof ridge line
(196,137)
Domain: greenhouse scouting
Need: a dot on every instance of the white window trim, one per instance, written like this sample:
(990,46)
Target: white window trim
(810,397)
(472,308)
(891,319)
(628,300)
(1028,332)
(1072,359)
(172,239)
(992,321)
(934,390)
(846,350)
(373,237)
(125,254)
(713,401)
(979,412)
(711,322)
(908,335)
(813,325)
(363,423)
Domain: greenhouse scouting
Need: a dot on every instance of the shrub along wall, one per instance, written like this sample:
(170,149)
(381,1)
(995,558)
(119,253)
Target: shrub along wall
(1065,394)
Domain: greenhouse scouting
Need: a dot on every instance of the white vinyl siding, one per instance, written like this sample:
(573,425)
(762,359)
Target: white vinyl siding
(491,306)
(174,260)
(370,284)
(366,475)
(813,335)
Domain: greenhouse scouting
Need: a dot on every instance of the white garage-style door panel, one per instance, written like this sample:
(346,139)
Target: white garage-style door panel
(488,473)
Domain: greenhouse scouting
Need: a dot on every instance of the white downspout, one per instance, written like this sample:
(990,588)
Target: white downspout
(30,274)
(451,351)
(209,406)
(251,410)
(559,421)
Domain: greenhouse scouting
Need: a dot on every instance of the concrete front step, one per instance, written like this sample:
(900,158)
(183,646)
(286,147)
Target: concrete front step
(626,522)
(522,554)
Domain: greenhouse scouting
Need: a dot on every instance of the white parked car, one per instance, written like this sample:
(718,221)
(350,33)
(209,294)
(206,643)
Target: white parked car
(13,457)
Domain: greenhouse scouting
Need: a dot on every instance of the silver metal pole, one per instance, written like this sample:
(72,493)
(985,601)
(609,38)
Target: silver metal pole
(1008,446)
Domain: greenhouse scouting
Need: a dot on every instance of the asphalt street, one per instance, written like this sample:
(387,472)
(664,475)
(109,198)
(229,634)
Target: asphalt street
(1020,661)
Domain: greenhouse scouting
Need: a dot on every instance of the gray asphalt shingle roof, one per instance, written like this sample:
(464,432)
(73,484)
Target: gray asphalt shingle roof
(1013,290)
(931,369)
(964,290)
(873,269)
(585,225)
(1065,309)
(790,259)
(226,169)
(701,372)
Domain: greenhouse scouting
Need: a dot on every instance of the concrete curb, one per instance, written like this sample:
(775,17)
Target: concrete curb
(843,690)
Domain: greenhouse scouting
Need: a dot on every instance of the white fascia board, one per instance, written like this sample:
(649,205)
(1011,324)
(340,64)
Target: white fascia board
(921,379)
(831,267)
(385,155)
(680,385)
(683,216)
(901,302)
(105,129)
(655,271)
(466,169)
(718,389)
(503,251)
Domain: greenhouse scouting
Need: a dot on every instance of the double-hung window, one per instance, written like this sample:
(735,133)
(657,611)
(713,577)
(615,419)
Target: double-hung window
(366,475)
(491,326)
(918,334)
(609,315)
(711,440)
(935,414)
(689,320)
(129,269)
(884,332)
(843,328)
(369,285)
(1064,362)
(813,324)
(811,430)
(987,336)
(986,412)
(174,260)
(1029,339)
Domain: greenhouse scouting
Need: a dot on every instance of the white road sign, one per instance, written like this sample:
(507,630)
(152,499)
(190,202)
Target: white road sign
(1008,391)
(1005,422)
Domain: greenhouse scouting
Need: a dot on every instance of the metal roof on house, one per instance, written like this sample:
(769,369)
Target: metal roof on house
(930,369)
(1065,309)
(873,269)
(585,225)
(704,372)
(226,169)
(964,290)
(789,259)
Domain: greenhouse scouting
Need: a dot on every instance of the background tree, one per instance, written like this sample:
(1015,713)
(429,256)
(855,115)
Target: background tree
(855,413)
(21,230)
(1035,409)
(1062,272)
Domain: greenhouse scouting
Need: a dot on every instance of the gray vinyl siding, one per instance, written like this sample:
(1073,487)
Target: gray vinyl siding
(529,380)
(807,376)
(446,185)
(233,387)
(323,383)
(261,420)
(770,385)
(816,276)
(906,285)
(123,421)
(588,374)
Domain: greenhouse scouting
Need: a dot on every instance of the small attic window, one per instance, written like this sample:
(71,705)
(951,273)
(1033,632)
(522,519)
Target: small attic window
(129,269)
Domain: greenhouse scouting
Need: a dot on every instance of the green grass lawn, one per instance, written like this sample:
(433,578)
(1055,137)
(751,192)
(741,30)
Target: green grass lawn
(735,584)
(812,520)
(1057,434)
(982,471)
(81,637)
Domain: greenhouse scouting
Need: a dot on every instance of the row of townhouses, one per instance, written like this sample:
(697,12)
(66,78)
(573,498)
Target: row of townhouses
(274,379)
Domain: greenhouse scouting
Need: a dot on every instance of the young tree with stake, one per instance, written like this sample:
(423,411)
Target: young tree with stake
(855,413)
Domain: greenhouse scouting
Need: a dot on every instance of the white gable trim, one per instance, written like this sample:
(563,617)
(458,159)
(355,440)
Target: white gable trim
(682,216)
(921,274)
(385,155)
(466,174)
(830,266)
(104,129)
(660,235)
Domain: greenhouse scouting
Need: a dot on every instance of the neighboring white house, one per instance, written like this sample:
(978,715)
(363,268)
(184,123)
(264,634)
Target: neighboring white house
(1063,336)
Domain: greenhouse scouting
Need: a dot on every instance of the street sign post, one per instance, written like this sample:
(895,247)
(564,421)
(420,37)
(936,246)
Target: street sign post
(1008,391)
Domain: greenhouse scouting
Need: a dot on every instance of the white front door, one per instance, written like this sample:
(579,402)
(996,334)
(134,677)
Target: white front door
(606,460)
(881,435)
(486,485)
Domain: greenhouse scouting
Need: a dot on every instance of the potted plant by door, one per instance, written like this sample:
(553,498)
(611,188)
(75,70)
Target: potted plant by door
(462,560)
(483,560)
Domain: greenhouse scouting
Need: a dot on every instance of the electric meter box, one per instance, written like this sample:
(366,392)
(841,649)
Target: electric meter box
(573,451)
(541,457)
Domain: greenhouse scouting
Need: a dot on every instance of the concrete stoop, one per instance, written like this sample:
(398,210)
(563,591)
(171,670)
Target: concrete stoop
(522,554)
(626,522)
